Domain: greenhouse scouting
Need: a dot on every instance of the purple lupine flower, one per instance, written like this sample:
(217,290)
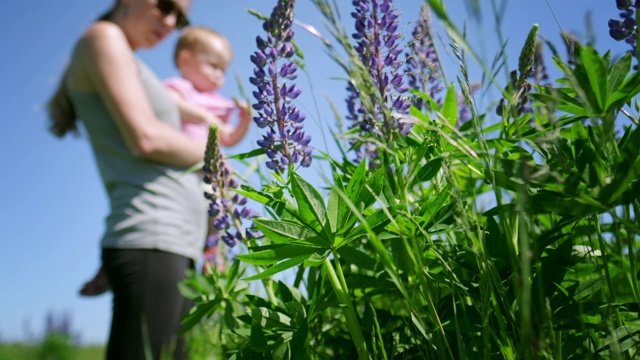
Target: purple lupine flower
(423,66)
(424,71)
(626,28)
(226,208)
(378,46)
(58,324)
(519,85)
(285,142)
(539,71)
(571,42)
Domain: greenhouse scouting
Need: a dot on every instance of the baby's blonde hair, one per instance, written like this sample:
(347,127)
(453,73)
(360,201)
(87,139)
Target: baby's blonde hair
(195,37)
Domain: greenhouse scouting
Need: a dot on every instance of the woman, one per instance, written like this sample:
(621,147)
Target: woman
(157,221)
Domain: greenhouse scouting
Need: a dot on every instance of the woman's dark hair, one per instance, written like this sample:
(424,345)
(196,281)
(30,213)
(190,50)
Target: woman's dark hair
(62,115)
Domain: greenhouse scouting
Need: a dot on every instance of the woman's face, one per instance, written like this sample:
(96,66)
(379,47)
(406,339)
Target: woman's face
(150,21)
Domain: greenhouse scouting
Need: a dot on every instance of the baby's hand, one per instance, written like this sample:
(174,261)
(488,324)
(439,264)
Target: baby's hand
(245,115)
(244,111)
(241,104)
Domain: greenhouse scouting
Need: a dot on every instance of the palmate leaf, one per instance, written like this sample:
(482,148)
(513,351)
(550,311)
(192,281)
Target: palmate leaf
(596,71)
(271,254)
(450,106)
(333,209)
(428,171)
(578,80)
(283,231)
(300,342)
(562,98)
(357,181)
(375,222)
(278,268)
(497,246)
(202,311)
(273,199)
(270,318)
(619,72)
(627,170)
(310,203)
(623,338)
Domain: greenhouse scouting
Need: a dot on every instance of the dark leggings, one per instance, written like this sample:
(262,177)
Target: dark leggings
(147,306)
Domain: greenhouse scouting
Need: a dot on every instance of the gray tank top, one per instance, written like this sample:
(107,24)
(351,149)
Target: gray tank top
(152,205)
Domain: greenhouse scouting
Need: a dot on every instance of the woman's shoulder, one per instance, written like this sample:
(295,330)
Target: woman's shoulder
(102,34)
(103,42)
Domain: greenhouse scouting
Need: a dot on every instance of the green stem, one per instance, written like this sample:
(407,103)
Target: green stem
(525,290)
(340,287)
(631,245)
(267,283)
(611,296)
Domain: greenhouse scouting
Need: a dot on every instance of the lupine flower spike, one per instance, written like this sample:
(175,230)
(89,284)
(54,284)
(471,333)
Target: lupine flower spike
(227,209)
(285,142)
(626,29)
(423,66)
(378,47)
(539,71)
(518,84)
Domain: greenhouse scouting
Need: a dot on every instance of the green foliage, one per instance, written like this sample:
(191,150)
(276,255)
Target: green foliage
(48,350)
(516,238)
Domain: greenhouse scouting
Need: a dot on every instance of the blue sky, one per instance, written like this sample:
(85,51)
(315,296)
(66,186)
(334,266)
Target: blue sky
(52,204)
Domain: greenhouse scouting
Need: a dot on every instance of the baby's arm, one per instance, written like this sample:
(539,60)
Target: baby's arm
(233,136)
(194,112)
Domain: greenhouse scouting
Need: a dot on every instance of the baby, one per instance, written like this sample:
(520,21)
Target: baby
(202,57)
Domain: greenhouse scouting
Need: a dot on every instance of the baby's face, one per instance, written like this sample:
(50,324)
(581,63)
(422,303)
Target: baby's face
(206,66)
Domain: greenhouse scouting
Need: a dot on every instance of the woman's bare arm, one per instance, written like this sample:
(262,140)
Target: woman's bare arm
(104,63)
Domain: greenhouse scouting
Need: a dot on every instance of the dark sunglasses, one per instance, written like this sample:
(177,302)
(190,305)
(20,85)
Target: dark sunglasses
(168,7)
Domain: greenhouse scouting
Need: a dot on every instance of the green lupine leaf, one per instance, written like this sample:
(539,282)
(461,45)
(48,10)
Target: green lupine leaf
(562,100)
(271,254)
(596,71)
(450,106)
(269,318)
(367,195)
(310,203)
(202,311)
(253,194)
(626,171)
(497,245)
(333,209)
(300,342)
(278,268)
(248,155)
(629,88)
(622,338)
(619,72)
(361,259)
(581,79)
(317,258)
(428,171)
(357,181)
(375,221)
(229,318)
(284,231)
(258,338)
(578,80)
